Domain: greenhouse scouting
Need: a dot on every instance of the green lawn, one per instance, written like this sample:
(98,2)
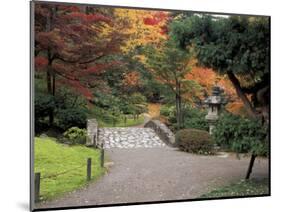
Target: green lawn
(62,167)
(241,188)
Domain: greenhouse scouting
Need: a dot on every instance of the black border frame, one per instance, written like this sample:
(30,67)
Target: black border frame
(31,124)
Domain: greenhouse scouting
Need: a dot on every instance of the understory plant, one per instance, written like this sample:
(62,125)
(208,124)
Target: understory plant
(75,135)
(241,135)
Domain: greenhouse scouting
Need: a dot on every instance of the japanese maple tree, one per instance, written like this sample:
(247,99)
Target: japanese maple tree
(73,45)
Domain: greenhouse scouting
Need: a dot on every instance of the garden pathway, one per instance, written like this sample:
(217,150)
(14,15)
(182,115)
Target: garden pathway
(144,169)
(155,173)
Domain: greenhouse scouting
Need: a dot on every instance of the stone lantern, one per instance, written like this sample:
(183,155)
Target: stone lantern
(215,103)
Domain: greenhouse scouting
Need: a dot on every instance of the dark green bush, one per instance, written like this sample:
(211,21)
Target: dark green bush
(194,141)
(71,109)
(43,103)
(68,98)
(241,135)
(75,135)
(193,117)
(71,117)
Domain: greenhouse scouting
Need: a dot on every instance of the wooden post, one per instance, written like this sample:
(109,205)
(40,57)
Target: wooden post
(250,168)
(102,156)
(89,166)
(37,187)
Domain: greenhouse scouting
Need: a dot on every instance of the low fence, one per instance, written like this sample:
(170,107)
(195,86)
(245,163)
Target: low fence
(88,174)
(164,133)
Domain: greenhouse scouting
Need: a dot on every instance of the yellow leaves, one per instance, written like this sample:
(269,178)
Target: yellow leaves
(138,32)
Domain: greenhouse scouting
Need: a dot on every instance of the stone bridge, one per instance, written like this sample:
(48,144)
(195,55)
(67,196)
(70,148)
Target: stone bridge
(153,134)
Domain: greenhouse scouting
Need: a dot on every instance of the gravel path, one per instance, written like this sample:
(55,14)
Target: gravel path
(156,174)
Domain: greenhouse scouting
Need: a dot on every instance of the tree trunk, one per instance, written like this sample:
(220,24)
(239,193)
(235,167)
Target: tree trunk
(50,87)
(177,110)
(178,106)
(263,96)
(49,90)
(49,81)
(250,168)
(180,112)
(250,109)
(49,68)
(54,84)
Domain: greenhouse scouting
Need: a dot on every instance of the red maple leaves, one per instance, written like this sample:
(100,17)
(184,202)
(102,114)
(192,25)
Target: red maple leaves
(155,19)
(69,41)
(78,86)
(160,19)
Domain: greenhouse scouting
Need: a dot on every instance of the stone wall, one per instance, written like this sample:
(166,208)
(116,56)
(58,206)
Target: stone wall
(162,131)
(92,132)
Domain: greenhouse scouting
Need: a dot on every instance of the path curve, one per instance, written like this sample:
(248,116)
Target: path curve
(158,174)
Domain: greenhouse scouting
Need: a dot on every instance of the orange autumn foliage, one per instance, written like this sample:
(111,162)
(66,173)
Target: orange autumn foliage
(207,78)
(131,79)
(236,107)
(154,110)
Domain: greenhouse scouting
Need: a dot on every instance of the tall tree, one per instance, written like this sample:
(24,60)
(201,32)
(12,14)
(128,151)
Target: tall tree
(238,47)
(169,66)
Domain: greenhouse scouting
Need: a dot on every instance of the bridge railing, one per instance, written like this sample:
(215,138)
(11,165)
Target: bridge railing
(92,132)
(164,133)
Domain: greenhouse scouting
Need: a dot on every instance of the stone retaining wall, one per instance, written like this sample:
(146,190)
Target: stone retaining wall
(92,132)
(162,131)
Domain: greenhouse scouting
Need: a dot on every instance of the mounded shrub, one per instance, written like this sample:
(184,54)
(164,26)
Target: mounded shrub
(75,135)
(71,117)
(194,141)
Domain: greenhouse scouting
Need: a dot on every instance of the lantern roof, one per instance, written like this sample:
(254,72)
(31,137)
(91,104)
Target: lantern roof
(216,98)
